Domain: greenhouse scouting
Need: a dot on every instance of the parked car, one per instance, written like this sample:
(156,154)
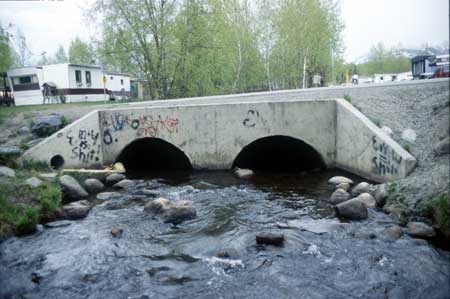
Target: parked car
(442,72)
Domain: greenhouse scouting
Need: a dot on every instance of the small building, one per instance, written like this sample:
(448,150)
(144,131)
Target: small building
(422,66)
(70,83)
(383,78)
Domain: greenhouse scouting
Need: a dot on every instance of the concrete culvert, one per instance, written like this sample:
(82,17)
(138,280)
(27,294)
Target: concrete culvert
(57,162)
(151,155)
(279,154)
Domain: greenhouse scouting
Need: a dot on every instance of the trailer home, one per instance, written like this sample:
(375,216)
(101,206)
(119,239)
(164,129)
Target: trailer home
(118,86)
(72,82)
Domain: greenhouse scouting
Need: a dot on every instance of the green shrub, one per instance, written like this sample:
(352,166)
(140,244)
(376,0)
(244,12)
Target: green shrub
(50,200)
(26,222)
(439,210)
(35,165)
(347,97)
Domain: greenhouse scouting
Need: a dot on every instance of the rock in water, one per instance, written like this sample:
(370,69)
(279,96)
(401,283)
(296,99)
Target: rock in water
(116,232)
(392,233)
(169,212)
(339,180)
(93,185)
(270,239)
(114,178)
(352,209)
(33,182)
(108,195)
(367,200)
(77,209)
(45,126)
(244,173)
(125,184)
(338,196)
(6,171)
(420,230)
(380,195)
(362,187)
(344,186)
(72,190)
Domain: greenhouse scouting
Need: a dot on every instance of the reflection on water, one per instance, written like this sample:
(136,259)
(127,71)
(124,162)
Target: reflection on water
(215,254)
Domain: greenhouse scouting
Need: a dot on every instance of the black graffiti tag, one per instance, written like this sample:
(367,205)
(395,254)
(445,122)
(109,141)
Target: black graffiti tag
(250,121)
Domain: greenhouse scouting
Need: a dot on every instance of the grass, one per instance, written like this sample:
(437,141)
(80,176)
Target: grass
(438,209)
(407,146)
(347,97)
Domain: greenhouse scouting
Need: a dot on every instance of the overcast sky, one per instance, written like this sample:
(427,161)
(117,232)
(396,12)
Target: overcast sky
(411,23)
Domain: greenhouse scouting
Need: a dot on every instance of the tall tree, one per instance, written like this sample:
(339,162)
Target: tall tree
(21,50)
(81,52)
(6,51)
(60,55)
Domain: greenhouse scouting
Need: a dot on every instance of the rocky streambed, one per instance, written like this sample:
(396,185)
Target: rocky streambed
(270,236)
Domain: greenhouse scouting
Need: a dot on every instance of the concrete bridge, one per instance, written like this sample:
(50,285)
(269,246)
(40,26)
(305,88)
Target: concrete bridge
(262,130)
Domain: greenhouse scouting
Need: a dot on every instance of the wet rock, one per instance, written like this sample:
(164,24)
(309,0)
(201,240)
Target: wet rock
(420,230)
(23,130)
(108,195)
(380,194)
(336,180)
(169,212)
(33,182)
(344,186)
(367,200)
(317,226)
(243,173)
(114,178)
(93,185)
(442,147)
(45,126)
(8,172)
(10,151)
(352,209)
(60,223)
(77,209)
(72,190)
(125,184)
(116,232)
(387,130)
(227,253)
(270,239)
(392,233)
(36,277)
(338,196)
(362,187)
(398,212)
(409,135)
(150,192)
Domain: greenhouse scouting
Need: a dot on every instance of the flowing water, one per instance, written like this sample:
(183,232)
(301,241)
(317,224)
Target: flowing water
(321,257)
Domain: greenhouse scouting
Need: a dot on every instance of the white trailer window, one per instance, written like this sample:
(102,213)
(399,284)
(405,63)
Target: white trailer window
(88,78)
(78,77)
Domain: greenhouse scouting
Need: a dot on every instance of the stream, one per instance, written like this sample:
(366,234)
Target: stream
(215,255)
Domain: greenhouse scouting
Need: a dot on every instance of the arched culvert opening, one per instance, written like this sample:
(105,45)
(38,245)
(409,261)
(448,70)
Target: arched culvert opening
(279,154)
(153,155)
(57,162)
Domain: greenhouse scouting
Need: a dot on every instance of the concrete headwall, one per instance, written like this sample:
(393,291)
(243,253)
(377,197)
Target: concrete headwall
(212,135)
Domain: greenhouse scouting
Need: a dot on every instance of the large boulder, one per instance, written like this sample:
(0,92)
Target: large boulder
(114,178)
(362,187)
(420,230)
(338,196)
(336,180)
(169,212)
(6,171)
(352,209)
(392,233)
(45,126)
(367,200)
(270,239)
(77,209)
(243,173)
(380,194)
(72,190)
(93,185)
(34,182)
(344,186)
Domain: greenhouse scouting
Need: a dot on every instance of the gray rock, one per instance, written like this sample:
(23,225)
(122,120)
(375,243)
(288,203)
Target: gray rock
(442,147)
(227,253)
(59,223)
(336,180)
(338,196)
(72,190)
(380,194)
(270,239)
(170,212)
(409,135)
(151,192)
(116,232)
(362,187)
(125,184)
(243,173)
(367,200)
(114,178)
(398,212)
(93,185)
(23,130)
(392,233)
(344,186)
(33,182)
(9,151)
(108,195)
(420,230)
(6,171)
(77,209)
(45,126)
(352,209)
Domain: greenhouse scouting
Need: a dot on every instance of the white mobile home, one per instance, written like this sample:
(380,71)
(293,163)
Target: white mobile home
(74,83)
(118,86)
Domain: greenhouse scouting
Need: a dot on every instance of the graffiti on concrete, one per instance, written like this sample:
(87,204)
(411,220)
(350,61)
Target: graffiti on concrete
(84,144)
(250,120)
(385,160)
(145,125)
